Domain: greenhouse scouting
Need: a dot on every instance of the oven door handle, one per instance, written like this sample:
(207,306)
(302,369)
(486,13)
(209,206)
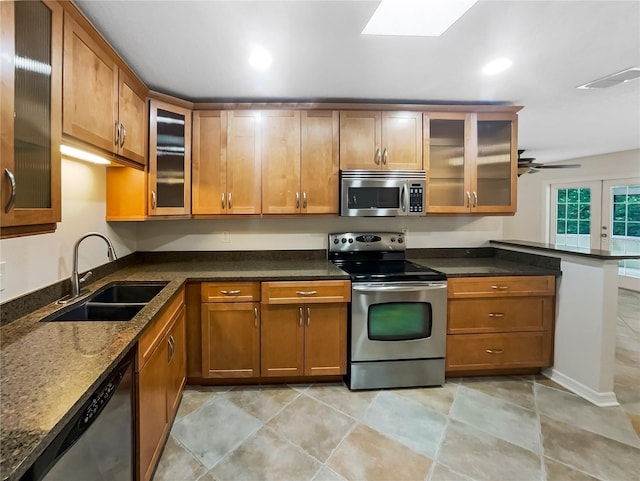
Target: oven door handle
(398,288)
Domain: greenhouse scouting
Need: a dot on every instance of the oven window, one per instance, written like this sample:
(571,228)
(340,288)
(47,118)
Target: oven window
(399,321)
(374,198)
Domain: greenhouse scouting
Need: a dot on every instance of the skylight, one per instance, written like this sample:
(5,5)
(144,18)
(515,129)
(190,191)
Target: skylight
(418,18)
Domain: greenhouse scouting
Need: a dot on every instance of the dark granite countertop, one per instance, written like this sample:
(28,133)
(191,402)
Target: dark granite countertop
(49,369)
(578,251)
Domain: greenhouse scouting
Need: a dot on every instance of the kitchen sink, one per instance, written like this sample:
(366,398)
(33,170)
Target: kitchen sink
(130,293)
(99,312)
(114,302)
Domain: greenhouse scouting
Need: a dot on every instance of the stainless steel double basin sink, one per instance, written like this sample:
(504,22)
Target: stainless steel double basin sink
(119,301)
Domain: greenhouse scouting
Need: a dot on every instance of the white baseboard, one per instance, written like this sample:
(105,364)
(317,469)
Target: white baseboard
(600,399)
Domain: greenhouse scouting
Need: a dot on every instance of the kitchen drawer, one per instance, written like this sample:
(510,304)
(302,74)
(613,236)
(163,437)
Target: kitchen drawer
(500,315)
(460,287)
(230,291)
(310,292)
(154,333)
(467,352)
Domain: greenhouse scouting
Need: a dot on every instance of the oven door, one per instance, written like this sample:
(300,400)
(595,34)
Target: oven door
(400,320)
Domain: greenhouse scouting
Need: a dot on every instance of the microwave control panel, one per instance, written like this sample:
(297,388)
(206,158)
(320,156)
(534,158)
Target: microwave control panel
(416,198)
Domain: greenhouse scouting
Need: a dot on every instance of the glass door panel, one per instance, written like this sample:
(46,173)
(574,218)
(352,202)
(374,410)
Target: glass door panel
(575,215)
(621,224)
(399,321)
(446,162)
(493,163)
(171,159)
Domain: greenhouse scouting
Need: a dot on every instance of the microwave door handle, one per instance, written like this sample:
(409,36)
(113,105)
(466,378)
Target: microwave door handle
(404,198)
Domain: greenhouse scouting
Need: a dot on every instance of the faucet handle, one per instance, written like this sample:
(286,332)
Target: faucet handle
(85,277)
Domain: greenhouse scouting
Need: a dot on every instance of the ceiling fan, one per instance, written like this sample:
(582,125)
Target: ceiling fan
(526,165)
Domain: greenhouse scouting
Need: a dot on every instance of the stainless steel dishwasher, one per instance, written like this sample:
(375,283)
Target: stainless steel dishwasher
(97,444)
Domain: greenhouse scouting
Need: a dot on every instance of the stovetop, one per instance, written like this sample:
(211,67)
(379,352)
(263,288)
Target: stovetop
(377,257)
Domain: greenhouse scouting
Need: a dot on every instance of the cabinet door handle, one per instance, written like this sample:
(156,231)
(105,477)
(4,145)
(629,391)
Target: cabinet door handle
(300,316)
(378,156)
(494,351)
(171,351)
(229,205)
(308,315)
(306,293)
(297,200)
(123,135)
(496,314)
(468,199)
(12,196)
(117,133)
(154,199)
(384,156)
(255,317)
(475,199)
(232,292)
(222,201)
(304,200)
(499,288)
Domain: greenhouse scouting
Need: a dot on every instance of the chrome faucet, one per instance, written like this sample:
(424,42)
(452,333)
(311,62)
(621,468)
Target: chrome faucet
(75,282)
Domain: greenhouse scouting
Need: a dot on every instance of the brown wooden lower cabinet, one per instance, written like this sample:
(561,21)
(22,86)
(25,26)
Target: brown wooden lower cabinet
(161,375)
(304,339)
(499,323)
(230,329)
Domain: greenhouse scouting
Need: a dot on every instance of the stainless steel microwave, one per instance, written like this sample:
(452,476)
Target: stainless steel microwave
(382,193)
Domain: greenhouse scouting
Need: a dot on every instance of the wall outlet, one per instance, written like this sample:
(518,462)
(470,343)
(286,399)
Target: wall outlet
(2,275)
(226,238)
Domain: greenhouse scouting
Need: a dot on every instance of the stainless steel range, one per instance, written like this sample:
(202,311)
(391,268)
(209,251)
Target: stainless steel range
(398,315)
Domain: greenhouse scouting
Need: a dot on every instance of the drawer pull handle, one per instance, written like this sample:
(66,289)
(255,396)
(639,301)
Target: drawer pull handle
(494,351)
(306,293)
(496,314)
(499,288)
(231,293)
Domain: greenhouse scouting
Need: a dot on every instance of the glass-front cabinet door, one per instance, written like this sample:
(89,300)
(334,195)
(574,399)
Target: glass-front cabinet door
(169,159)
(471,162)
(30,101)
(446,162)
(494,185)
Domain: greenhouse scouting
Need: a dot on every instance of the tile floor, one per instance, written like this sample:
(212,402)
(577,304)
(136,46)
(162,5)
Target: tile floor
(512,429)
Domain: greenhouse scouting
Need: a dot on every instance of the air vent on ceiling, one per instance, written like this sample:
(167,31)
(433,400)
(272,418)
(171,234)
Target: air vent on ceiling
(613,79)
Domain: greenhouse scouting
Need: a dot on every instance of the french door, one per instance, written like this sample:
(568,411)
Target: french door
(599,215)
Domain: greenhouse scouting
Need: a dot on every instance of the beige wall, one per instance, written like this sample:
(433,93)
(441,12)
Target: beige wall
(531,220)
(34,262)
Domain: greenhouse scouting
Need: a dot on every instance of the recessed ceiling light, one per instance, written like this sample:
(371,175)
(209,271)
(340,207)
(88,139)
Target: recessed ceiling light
(79,154)
(260,58)
(496,66)
(420,18)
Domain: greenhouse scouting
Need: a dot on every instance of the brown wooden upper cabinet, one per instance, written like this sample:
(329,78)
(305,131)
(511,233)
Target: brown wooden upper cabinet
(103,105)
(300,162)
(169,159)
(380,140)
(471,162)
(31,76)
(226,162)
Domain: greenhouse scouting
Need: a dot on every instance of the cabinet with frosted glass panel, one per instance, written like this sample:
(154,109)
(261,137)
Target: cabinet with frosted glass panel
(169,159)
(471,162)
(30,100)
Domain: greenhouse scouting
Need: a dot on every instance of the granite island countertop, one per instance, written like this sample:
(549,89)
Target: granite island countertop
(49,369)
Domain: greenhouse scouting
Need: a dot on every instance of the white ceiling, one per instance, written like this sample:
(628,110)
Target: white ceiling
(199,50)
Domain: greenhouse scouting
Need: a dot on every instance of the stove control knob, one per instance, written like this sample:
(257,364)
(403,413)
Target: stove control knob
(400,240)
(335,241)
(344,240)
(393,239)
(350,241)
